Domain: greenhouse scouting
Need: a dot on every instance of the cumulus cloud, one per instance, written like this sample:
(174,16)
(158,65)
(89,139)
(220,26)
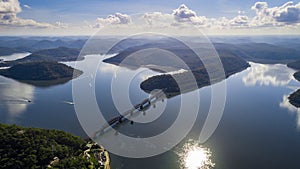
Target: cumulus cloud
(157,18)
(240,20)
(8,16)
(184,14)
(116,19)
(9,6)
(288,13)
(13,21)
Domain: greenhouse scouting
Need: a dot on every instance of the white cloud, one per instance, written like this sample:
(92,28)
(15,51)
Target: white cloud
(116,19)
(27,6)
(288,13)
(9,6)
(283,19)
(241,12)
(12,20)
(61,25)
(8,16)
(275,19)
(240,21)
(158,18)
(184,14)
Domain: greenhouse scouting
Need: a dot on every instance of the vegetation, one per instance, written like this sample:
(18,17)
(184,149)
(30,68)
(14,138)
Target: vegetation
(40,71)
(294,65)
(267,53)
(35,148)
(169,82)
(42,66)
(297,75)
(295,98)
(22,148)
(60,54)
(32,44)
(8,51)
(54,55)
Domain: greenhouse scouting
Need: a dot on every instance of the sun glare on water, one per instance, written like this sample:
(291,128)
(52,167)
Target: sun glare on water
(195,156)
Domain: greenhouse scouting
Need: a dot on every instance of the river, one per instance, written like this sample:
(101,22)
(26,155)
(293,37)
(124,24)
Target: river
(259,128)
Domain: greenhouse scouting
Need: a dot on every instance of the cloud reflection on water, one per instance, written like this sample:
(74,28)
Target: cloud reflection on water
(286,104)
(277,75)
(266,75)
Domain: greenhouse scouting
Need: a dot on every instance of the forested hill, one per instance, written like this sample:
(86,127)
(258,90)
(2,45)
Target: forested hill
(39,71)
(22,148)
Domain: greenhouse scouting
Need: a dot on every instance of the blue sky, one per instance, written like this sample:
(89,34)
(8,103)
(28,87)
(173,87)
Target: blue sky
(92,9)
(78,13)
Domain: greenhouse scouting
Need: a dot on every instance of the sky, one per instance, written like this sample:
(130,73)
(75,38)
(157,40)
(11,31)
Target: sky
(212,17)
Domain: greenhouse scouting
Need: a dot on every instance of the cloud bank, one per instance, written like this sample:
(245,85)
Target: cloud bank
(116,19)
(8,16)
(261,18)
(288,13)
(285,15)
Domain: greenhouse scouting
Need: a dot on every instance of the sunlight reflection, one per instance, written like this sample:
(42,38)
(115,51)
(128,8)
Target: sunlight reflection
(266,75)
(194,156)
(15,96)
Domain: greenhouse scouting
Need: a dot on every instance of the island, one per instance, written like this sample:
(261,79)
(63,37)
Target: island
(22,147)
(41,73)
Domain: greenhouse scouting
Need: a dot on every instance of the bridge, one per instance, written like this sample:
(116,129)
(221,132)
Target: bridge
(140,107)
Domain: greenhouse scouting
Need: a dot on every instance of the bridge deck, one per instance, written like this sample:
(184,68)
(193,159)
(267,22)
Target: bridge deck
(136,108)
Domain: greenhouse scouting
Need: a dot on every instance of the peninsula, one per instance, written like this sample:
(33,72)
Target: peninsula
(128,57)
(294,98)
(34,72)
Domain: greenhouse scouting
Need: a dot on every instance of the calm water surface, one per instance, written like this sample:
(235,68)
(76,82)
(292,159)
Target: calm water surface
(259,128)
(14,56)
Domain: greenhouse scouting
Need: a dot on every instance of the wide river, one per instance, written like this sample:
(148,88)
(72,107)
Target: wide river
(259,128)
